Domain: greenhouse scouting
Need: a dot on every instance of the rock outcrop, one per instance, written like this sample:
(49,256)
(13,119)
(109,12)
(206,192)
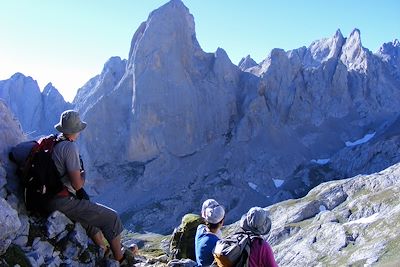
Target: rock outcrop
(349,222)
(341,222)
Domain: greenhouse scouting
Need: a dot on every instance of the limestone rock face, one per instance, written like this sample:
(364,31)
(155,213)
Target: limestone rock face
(348,222)
(333,78)
(358,221)
(53,105)
(390,53)
(10,130)
(36,111)
(9,225)
(10,134)
(100,85)
(174,98)
(15,91)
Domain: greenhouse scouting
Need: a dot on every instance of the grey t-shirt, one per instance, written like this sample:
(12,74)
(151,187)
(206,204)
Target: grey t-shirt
(66,159)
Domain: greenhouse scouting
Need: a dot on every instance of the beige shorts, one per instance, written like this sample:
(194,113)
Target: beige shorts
(92,216)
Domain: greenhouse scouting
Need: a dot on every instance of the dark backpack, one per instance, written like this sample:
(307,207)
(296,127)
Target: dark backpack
(234,250)
(39,176)
(182,240)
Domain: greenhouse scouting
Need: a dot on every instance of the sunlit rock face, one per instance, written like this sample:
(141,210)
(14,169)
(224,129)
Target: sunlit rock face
(100,85)
(346,222)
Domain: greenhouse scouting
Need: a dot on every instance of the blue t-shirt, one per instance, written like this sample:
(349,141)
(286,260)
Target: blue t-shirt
(204,245)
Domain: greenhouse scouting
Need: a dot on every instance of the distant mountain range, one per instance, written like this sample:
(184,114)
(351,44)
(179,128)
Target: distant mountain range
(173,125)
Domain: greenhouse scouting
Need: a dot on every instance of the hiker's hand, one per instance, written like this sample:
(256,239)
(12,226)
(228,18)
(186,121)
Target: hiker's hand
(81,194)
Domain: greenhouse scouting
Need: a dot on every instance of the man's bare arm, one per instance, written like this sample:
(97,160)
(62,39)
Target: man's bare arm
(76,179)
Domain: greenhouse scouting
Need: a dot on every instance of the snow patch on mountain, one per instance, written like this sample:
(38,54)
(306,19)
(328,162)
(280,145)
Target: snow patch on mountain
(320,161)
(278,182)
(360,141)
(252,186)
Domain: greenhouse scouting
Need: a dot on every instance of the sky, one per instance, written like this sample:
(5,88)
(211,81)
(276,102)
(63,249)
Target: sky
(67,42)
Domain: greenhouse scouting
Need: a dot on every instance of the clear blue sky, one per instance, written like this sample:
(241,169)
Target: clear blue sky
(66,42)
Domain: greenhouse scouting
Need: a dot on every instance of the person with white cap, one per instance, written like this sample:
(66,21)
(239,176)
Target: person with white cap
(98,220)
(208,203)
(206,234)
(257,221)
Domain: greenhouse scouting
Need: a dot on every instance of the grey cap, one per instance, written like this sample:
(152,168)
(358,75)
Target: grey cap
(70,123)
(206,204)
(214,214)
(256,220)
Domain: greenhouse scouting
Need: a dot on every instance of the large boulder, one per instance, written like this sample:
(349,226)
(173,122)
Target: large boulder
(9,225)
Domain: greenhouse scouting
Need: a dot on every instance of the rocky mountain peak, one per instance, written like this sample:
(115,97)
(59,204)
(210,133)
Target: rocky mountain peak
(356,36)
(247,62)
(390,49)
(354,55)
(27,82)
(17,76)
(390,53)
(338,34)
(167,28)
(51,92)
(276,56)
(322,50)
(115,64)
(100,85)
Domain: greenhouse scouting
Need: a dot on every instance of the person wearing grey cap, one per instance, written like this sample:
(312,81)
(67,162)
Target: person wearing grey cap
(206,235)
(257,221)
(209,203)
(98,220)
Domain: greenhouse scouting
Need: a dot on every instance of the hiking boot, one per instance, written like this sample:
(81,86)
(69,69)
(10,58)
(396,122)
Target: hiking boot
(128,259)
(108,253)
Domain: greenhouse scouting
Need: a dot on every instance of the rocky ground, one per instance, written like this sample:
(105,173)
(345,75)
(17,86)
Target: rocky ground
(352,222)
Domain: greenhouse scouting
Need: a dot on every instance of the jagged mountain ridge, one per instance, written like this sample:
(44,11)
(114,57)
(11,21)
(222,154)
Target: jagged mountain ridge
(37,111)
(176,117)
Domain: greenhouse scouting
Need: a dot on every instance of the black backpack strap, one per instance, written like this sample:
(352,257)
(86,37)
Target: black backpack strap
(11,157)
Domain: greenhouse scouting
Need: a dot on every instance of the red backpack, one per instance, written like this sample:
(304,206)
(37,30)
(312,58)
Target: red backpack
(39,176)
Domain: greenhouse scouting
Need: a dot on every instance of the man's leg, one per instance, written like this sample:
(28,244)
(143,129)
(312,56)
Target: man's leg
(115,245)
(93,215)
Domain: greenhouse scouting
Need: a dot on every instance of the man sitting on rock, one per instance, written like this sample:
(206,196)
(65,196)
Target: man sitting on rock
(206,235)
(98,220)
